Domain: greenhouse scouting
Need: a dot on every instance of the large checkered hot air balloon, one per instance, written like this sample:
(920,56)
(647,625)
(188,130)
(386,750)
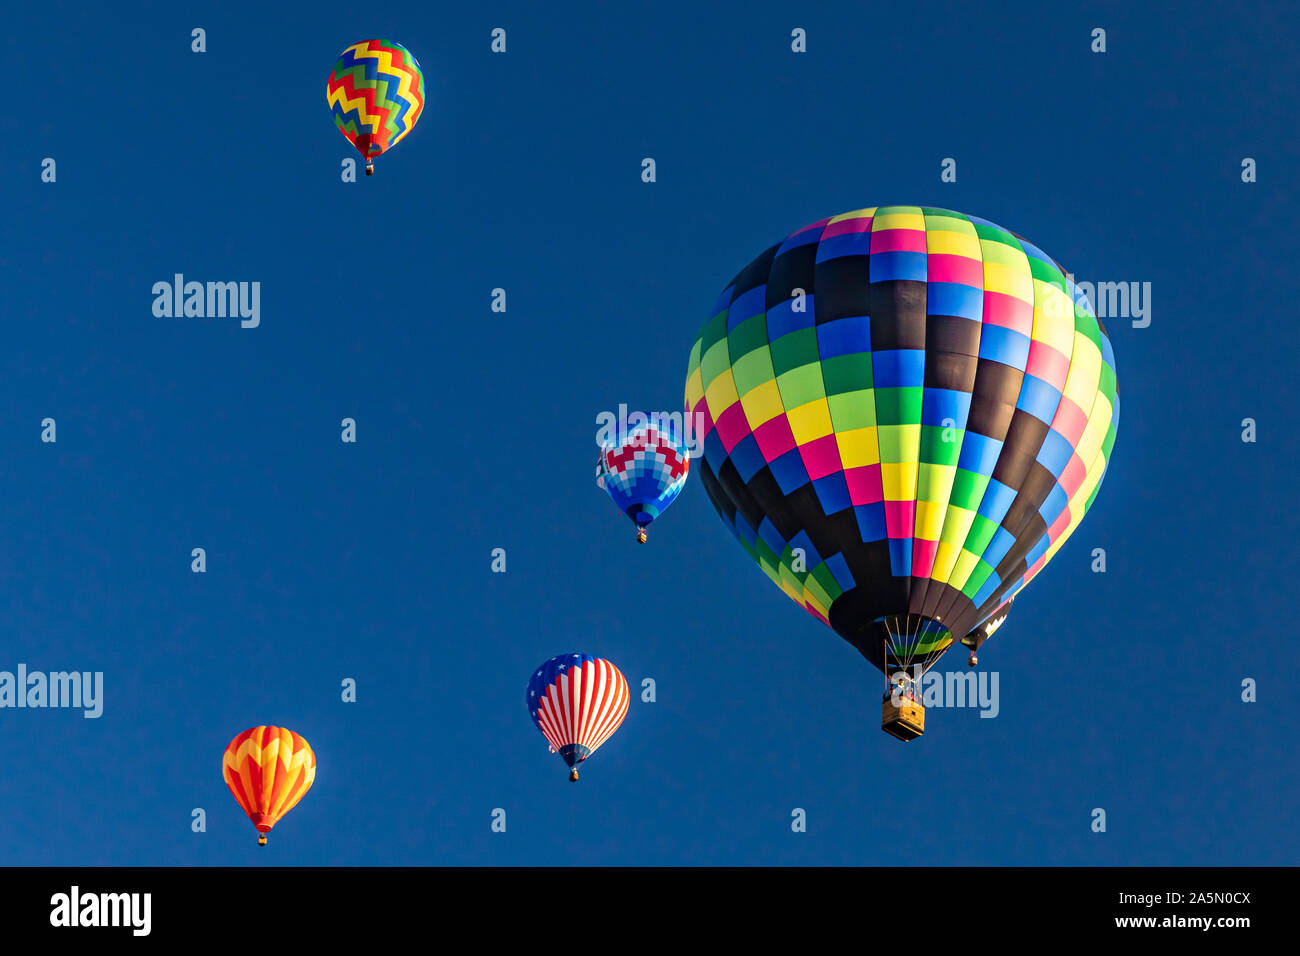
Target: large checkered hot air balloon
(268,770)
(908,412)
(376,93)
(577,702)
(644,472)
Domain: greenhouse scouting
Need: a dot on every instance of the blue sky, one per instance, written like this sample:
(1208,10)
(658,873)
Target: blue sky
(476,431)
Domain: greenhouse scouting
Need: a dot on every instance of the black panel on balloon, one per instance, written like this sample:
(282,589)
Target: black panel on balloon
(918,599)
(988,415)
(716,495)
(754,274)
(1024,442)
(842,288)
(897,315)
(741,499)
(955,611)
(949,370)
(792,269)
(951,333)
(783,512)
(1038,484)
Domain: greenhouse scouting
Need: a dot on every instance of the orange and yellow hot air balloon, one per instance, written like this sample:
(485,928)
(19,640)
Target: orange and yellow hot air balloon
(268,769)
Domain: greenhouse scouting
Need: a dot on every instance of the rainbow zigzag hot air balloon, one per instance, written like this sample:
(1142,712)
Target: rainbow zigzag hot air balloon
(644,474)
(577,702)
(376,93)
(922,426)
(268,770)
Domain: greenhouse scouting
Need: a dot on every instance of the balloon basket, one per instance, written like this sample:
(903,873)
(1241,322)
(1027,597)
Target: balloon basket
(904,720)
(370,169)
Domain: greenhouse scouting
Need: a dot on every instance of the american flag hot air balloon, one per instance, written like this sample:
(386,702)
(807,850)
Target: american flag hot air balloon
(577,702)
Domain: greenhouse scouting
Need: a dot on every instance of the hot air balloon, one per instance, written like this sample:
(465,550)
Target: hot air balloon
(908,411)
(643,473)
(268,769)
(376,93)
(577,702)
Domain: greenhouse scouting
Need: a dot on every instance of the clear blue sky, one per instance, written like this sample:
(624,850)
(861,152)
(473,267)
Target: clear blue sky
(476,431)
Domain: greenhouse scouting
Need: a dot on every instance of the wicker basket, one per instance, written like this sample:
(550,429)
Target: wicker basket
(904,720)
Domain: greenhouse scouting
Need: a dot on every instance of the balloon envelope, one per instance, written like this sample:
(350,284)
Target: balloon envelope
(577,702)
(376,94)
(268,770)
(644,473)
(908,410)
